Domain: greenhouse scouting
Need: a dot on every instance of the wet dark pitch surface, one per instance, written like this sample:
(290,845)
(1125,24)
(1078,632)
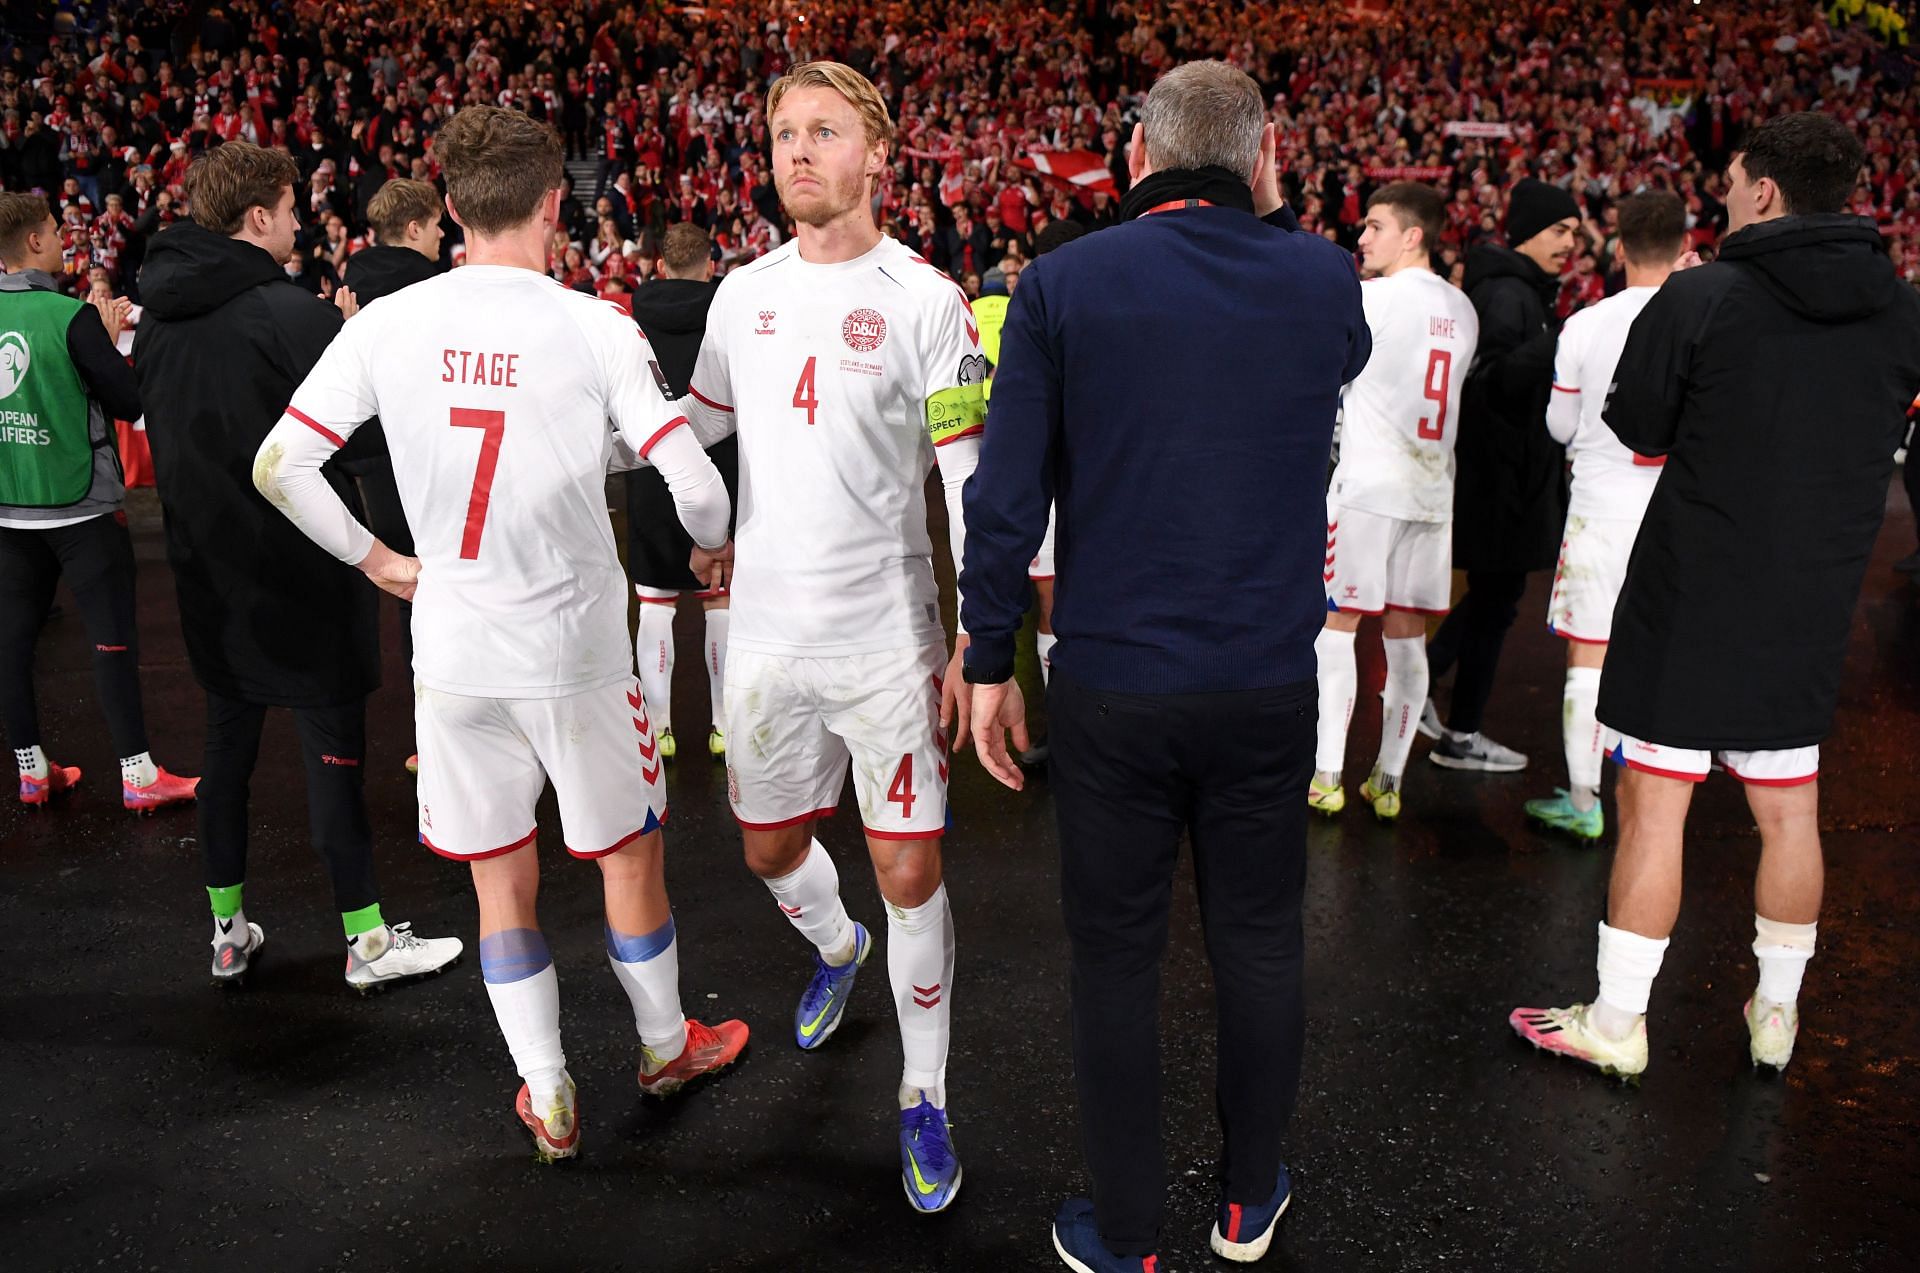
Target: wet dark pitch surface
(157,1123)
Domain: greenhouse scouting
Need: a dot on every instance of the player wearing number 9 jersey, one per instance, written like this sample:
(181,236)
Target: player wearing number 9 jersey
(1390,503)
(496,386)
(847,365)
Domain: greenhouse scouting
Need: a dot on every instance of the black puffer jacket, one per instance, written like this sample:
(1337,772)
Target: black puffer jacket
(269,617)
(1509,494)
(1776,382)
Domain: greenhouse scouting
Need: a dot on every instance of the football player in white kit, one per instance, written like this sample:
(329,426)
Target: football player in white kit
(496,386)
(1390,503)
(1611,487)
(847,365)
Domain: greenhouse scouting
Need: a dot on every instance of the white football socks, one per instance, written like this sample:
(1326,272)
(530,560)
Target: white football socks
(1339,679)
(1580,734)
(139,771)
(1627,964)
(1043,643)
(810,899)
(920,966)
(32,762)
(648,969)
(1400,708)
(527,1006)
(718,622)
(653,654)
(1783,951)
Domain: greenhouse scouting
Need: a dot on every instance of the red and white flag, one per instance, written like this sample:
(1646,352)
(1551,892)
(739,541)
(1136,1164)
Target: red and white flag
(1081,171)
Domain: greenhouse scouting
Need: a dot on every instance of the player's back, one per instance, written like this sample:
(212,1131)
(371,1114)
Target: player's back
(1609,481)
(494,383)
(1402,413)
(829,380)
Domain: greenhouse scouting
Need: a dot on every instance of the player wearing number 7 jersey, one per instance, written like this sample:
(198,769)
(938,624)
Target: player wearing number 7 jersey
(847,365)
(496,386)
(1390,504)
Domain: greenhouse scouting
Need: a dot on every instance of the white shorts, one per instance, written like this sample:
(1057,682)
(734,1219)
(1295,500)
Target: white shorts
(1377,563)
(1587,582)
(1041,567)
(793,724)
(485,761)
(1791,768)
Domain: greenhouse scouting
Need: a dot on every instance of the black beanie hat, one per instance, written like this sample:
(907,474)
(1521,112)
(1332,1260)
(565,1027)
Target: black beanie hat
(1533,206)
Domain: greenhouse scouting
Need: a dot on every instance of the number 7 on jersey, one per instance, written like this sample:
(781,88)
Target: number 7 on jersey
(493,424)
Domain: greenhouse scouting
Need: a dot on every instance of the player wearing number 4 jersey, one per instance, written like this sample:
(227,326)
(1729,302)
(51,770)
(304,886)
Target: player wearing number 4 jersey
(1390,504)
(496,386)
(1611,487)
(846,364)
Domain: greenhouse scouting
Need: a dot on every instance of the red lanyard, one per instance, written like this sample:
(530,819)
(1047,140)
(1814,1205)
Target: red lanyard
(1175,204)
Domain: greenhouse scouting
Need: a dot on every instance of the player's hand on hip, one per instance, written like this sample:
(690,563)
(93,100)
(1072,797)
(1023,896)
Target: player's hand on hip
(955,700)
(392,572)
(713,566)
(998,709)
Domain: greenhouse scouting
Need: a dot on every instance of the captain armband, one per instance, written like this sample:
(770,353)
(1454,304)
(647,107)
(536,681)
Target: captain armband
(958,412)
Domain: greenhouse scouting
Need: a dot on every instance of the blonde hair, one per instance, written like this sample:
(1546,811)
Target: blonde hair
(398,204)
(844,80)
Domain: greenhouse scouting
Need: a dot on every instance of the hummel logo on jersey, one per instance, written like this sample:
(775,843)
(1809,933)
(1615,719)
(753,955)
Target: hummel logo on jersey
(766,323)
(348,762)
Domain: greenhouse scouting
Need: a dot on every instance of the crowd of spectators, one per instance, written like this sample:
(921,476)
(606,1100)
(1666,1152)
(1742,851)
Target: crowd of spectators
(105,105)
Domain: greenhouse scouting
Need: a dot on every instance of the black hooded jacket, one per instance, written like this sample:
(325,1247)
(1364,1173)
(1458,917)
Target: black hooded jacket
(269,617)
(1776,383)
(672,313)
(371,274)
(1509,494)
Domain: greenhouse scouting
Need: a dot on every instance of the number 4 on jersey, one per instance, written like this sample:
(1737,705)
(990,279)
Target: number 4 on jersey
(805,397)
(1439,377)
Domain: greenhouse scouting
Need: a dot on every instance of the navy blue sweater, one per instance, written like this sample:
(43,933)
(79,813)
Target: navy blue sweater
(1170,383)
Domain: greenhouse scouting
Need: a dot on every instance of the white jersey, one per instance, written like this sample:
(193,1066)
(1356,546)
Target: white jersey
(1609,481)
(495,387)
(1402,414)
(840,380)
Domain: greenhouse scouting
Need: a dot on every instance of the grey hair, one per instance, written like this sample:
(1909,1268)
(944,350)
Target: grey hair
(1204,114)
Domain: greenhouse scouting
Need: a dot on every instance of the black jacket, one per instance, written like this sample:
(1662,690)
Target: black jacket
(1509,495)
(372,274)
(269,617)
(672,313)
(1776,382)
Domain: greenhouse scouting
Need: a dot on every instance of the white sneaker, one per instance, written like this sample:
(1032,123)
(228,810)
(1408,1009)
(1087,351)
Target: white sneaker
(1571,1032)
(405,957)
(1476,752)
(1429,726)
(231,958)
(1771,1030)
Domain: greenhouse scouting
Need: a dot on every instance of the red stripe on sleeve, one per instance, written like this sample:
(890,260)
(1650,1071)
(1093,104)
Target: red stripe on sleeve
(316,426)
(974,432)
(1564,389)
(717,406)
(671,425)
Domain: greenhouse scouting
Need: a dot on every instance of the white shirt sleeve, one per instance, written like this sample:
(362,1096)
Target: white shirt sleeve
(335,400)
(953,379)
(1563,411)
(658,434)
(708,405)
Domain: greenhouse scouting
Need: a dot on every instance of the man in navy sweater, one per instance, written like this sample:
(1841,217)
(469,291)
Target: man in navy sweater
(1170,384)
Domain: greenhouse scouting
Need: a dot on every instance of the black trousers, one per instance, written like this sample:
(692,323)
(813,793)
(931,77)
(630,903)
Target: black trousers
(1473,636)
(96,559)
(1131,774)
(333,743)
(387,519)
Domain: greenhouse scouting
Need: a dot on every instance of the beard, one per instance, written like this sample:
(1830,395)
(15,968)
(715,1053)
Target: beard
(824,203)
